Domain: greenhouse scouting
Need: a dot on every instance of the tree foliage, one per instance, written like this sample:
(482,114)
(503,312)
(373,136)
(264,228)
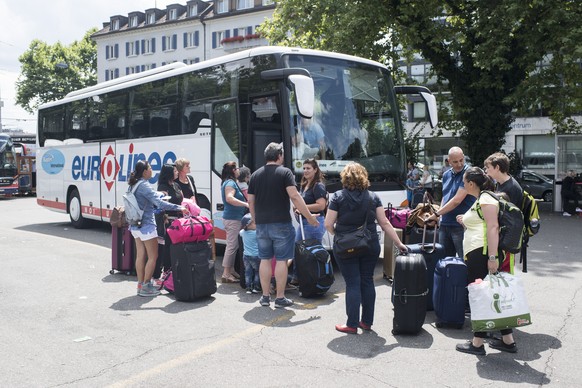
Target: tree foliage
(484,52)
(49,72)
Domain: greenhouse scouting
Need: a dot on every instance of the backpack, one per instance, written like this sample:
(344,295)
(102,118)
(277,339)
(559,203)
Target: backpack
(531,215)
(511,224)
(133,213)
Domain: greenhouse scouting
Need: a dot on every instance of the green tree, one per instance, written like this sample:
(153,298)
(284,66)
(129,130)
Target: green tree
(49,72)
(484,52)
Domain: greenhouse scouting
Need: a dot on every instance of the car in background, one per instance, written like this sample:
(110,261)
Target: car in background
(540,186)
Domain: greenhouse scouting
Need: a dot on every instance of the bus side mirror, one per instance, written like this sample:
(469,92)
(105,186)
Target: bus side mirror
(304,94)
(430,100)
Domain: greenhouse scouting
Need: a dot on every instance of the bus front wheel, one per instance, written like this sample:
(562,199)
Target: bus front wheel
(75,213)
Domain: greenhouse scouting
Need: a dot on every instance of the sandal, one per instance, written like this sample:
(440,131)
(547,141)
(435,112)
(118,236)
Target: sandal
(230,279)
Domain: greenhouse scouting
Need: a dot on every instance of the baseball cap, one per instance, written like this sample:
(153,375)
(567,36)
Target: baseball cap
(245,221)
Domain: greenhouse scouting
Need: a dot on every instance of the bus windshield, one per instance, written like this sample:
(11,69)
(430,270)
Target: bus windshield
(354,119)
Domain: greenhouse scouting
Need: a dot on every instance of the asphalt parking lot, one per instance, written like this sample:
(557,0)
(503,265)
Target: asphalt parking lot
(67,322)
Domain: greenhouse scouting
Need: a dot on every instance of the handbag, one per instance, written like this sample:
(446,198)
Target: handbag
(190,229)
(422,212)
(498,302)
(397,217)
(117,218)
(353,243)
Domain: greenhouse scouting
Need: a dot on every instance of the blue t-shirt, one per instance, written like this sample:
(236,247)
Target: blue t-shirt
(452,182)
(352,206)
(310,196)
(249,238)
(312,135)
(232,212)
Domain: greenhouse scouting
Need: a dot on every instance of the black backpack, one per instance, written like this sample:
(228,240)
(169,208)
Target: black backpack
(511,224)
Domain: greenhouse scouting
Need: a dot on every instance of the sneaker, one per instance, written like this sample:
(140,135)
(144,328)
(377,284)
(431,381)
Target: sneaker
(467,347)
(148,289)
(283,302)
(249,291)
(566,214)
(265,300)
(578,210)
(139,285)
(291,287)
(500,345)
(255,290)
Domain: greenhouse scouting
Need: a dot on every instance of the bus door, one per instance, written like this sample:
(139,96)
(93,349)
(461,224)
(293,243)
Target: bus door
(226,146)
(265,127)
(109,169)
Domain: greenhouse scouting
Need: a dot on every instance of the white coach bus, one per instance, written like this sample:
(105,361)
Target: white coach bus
(228,108)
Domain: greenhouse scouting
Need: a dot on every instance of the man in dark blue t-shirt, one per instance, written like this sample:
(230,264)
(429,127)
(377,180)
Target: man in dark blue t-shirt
(270,189)
(455,201)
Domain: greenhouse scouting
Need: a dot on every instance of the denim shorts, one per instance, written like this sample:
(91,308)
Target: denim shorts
(276,240)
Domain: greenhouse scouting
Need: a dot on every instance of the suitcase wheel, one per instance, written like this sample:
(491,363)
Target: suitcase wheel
(440,325)
(111,271)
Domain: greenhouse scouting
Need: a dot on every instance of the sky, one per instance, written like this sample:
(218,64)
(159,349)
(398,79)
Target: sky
(50,21)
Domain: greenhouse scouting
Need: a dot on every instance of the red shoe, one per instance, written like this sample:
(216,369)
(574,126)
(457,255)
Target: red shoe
(346,329)
(363,326)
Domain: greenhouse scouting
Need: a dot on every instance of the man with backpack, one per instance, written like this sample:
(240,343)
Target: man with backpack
(497,168)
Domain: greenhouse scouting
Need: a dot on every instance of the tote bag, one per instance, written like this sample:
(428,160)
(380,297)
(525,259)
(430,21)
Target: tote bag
(498,302)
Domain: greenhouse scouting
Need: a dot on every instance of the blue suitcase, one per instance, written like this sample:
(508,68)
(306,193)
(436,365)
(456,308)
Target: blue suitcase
(450,292)
(432,253)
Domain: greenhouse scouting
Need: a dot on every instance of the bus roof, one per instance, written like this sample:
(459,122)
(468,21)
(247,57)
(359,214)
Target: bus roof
(175,69)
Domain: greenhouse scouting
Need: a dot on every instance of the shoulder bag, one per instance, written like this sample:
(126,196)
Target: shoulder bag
(353,243)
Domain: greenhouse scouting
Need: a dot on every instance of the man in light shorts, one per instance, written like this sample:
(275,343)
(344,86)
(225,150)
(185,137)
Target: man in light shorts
(270,189)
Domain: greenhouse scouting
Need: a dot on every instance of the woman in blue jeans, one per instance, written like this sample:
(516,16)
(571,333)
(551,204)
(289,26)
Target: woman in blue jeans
(347,211)
(314,194)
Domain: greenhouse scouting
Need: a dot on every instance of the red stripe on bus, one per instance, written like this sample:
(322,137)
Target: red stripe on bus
(52,204)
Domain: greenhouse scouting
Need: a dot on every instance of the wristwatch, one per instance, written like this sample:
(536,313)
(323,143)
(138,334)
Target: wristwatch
(492,258)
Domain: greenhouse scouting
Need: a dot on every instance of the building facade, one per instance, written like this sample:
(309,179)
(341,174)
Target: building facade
(190,33)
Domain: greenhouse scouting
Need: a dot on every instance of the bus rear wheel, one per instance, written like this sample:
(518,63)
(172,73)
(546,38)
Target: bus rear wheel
(75,213)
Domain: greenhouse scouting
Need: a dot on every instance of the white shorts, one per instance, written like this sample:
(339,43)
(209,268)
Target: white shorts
(146,232)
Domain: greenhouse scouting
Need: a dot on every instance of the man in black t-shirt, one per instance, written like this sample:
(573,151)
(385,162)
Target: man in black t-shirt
(270,189)
(569,191)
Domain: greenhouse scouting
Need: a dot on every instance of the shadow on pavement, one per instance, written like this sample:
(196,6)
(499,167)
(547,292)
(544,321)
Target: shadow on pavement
(135,302)
(366,345)
(98,234)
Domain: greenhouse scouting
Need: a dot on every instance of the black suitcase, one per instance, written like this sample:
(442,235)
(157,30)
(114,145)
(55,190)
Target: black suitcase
(432,253)
(313,266)
(192,270)
(410,294)
(122,251)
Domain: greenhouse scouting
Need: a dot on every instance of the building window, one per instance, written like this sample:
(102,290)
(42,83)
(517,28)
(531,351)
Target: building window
(151,18)
(132,48)
(192,10)
(220,36)
(169,42)
(244,4)
(112,52)
(111,74)
(148,46)
(115,25)
(191,39)
(419,111)
(173,14)
(268,2)
(133,21)
(222,6)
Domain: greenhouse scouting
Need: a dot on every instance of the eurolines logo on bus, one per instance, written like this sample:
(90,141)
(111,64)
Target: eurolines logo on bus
(111,167)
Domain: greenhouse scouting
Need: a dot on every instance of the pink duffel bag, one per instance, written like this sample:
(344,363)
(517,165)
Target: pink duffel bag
(190,229)
(397,217)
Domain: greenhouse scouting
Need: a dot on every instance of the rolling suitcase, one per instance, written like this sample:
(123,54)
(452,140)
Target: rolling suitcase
(122,251)
(192,270)
(450,292)
(313,265)
(410,293)
(432,253)
(390,253)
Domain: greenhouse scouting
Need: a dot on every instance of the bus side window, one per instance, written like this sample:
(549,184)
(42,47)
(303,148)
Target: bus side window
(139,128)
(159,126)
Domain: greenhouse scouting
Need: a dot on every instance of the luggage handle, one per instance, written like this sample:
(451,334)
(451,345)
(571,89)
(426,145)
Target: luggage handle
(424,245)
(301,225)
